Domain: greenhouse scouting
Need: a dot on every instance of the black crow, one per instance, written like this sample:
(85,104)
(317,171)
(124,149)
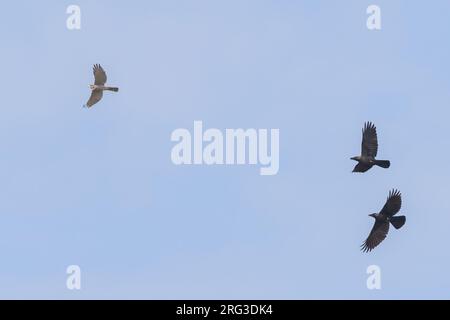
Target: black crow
(381,227)
(369,149)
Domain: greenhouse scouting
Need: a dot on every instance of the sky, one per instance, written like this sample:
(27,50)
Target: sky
(97,188)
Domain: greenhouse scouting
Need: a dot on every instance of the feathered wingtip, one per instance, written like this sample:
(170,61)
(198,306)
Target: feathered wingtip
(394,193)
(365,248)
(369,125)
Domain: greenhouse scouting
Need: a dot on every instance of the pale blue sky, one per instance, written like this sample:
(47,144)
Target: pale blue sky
(97,187)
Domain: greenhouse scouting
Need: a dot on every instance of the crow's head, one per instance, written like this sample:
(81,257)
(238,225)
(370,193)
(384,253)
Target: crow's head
(355,158)
(373,215)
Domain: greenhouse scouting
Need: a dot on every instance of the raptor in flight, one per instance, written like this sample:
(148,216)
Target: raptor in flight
(382,220)
(99,86)
(369,149)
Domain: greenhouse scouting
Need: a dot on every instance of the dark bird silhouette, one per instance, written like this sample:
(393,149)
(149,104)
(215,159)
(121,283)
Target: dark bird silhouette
(369,149)
(381,227)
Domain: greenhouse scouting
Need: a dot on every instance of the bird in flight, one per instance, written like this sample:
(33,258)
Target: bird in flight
(99,86)
(382,219)
(369,149)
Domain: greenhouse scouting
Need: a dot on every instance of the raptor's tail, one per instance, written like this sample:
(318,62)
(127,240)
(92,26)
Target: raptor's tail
(383,163)
(115,89)
(398,222)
